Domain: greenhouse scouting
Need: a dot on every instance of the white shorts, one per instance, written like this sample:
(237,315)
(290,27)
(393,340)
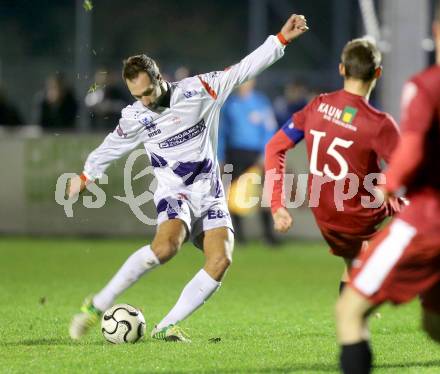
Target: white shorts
(210,214)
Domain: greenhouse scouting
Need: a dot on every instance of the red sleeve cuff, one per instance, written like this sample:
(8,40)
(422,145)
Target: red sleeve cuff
(275,207)
(84,178)
(282,39)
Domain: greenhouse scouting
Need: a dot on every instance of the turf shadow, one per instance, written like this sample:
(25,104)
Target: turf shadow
(431,363)
(300,367)
(311,368)
(47,342)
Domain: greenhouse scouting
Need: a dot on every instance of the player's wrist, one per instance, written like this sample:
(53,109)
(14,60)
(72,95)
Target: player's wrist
(84,178)
(389,189)
(384,193)
(282,39)
(275,208)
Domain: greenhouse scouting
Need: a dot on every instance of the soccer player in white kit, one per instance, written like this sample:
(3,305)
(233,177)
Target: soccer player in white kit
(177,123)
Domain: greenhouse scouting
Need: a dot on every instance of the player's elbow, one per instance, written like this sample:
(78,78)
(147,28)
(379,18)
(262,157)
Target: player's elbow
(269,153)
(268,149)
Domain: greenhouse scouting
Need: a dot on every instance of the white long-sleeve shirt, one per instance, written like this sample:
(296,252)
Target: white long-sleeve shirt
(181,140)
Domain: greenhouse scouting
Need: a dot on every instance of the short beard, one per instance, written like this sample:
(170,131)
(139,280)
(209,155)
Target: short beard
(163,90)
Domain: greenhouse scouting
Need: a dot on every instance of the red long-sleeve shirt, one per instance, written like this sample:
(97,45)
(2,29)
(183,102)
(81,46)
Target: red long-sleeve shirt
(275,160)
(345,137)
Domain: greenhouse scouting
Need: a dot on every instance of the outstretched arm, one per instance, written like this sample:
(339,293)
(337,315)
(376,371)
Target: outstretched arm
(219,84)
(114,146)
(275,166)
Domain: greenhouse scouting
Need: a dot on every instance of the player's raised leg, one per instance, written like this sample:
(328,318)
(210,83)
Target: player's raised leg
(374,270)
(167,241)
(391,269)
(217,247)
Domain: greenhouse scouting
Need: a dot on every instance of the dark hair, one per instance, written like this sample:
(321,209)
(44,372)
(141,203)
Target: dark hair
(361,58)
(134,65)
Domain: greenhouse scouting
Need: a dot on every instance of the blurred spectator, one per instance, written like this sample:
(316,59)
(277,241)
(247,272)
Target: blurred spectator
(295,98)
(9,115)
(247,122)
(56,106)
(105,100)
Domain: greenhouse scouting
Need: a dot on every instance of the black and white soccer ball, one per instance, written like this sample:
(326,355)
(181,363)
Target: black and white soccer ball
(123,323)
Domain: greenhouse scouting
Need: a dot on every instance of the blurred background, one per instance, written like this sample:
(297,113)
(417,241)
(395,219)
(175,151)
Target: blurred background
(61,89)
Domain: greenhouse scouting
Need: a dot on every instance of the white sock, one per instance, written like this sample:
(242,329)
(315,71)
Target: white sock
(194,295)
(139,263)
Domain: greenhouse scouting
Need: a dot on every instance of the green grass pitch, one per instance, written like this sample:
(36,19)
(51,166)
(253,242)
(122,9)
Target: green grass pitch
(273,313)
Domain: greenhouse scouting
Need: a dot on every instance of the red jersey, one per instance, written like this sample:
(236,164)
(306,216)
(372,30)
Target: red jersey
(416,163)
(346,139)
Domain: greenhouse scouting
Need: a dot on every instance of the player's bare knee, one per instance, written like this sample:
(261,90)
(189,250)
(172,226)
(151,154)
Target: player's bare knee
(223,262)
(166,249)
(431,325)
(219,262)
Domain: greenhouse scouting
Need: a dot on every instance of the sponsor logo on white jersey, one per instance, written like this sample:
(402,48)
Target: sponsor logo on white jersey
(150,126)
(184,136)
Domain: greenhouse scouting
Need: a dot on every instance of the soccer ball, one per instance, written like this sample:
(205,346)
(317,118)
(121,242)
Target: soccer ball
(123,323)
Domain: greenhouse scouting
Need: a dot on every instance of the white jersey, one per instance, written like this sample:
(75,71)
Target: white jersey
(181,141)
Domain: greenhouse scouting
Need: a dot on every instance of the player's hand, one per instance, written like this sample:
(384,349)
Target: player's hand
(393,205)
(295,26)
(282,220)
(74,186)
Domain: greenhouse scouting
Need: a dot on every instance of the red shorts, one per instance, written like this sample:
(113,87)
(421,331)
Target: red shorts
(403,260)
(345,245)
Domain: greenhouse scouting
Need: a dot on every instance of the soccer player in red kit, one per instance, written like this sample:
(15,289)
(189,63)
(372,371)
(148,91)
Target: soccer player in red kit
(403,261)
(346,141)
